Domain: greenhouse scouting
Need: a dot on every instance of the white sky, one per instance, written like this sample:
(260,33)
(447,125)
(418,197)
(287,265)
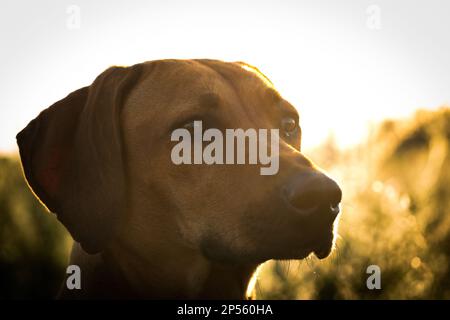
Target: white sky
(321,55)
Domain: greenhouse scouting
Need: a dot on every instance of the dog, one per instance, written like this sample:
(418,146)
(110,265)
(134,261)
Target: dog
(145,227)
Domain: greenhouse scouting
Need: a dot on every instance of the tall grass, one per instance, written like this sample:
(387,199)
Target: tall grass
(33,245)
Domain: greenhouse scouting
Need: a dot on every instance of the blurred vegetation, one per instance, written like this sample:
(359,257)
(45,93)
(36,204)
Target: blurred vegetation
(395,215)
(34,247)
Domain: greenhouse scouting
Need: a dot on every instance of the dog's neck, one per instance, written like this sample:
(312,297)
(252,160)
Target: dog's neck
(181,273)
(125,271)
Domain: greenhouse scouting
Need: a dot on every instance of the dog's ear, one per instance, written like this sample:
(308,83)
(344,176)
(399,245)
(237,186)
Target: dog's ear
(72,157)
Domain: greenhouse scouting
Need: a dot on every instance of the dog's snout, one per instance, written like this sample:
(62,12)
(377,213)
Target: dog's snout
(314,191)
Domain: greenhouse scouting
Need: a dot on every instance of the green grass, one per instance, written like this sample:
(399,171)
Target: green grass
(33,245)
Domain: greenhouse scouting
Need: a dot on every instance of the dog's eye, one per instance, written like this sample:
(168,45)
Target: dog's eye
(289,126)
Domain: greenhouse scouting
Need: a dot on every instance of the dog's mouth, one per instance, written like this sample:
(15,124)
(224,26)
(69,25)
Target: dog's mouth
(323,251)
(324,243)
(322,238)
(320,220)
(321,245)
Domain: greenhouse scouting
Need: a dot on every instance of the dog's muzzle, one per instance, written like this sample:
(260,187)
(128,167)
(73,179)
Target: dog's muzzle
(314,194)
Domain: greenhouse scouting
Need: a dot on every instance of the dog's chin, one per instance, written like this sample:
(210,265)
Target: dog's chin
(322,252)
(320,244)
(321,248)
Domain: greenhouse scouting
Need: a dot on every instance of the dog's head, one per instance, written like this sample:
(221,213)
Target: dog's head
(101,160)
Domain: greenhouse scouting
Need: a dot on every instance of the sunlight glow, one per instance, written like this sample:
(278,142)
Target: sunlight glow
(342,77)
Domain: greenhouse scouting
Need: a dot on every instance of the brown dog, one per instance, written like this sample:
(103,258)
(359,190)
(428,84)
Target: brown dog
(145,227)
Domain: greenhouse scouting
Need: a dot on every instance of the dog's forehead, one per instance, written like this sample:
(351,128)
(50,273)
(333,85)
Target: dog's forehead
(205,76)
(172,90)
(175,83)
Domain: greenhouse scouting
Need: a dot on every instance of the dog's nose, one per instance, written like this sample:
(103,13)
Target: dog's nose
(313,191)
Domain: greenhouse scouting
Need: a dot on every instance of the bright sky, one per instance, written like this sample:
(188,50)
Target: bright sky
(343,65)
